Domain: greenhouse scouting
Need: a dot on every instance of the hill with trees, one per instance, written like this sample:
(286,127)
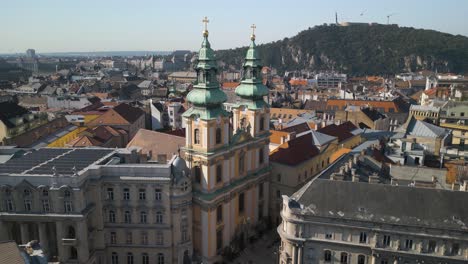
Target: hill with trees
(361,50)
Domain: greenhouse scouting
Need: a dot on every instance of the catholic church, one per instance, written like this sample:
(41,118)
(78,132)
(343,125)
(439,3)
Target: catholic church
(228,155)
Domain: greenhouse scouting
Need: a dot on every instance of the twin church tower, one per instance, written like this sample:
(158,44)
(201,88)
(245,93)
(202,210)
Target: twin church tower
(228,155)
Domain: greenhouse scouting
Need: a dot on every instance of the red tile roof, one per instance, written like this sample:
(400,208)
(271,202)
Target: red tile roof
(342,132)
(295,151)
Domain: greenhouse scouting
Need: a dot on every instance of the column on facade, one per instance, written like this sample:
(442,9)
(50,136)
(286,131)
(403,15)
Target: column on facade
(24,233)
(396,261)
(373,259)
(294,253)
(300,253)
(82,237)
(43,237)
(61,250)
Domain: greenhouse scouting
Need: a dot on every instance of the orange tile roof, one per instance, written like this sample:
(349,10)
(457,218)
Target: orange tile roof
(431,91)
(84,141)
(342,103)
(157,143)
(230,85)
(276,136)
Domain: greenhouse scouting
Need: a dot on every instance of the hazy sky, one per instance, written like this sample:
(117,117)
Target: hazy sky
(118,25)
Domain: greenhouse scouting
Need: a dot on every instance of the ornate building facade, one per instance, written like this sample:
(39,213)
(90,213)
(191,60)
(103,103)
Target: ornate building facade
(228,156)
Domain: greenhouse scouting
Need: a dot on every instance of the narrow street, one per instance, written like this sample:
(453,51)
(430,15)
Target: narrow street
(261,251)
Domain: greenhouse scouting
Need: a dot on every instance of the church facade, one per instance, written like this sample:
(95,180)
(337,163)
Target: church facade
(228,155)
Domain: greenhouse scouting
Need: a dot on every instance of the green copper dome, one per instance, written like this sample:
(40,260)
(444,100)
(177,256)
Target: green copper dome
(207,97)
(251,87)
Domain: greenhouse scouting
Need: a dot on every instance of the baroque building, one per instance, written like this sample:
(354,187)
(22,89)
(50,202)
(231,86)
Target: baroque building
(228,155)
(98,206)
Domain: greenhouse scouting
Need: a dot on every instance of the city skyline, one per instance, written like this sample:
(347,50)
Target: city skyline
(57,26)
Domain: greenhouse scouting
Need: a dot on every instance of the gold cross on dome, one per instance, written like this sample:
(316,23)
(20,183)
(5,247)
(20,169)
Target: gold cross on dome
(206,21)
(253,27)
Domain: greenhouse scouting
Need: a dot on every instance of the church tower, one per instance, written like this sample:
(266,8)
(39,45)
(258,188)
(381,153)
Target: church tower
(230,170)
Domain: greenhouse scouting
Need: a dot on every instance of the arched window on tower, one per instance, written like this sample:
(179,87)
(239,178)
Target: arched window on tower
(262,123)
(218,135)
(196,139)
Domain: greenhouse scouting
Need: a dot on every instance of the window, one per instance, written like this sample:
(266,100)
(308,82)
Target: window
(241,163)
(184,231)
(260,210)
(218,135)
(260,156)
(27,205)
(363,237)
(197,174)
(462,114)
(143,217)
(185,186)
(142,194)
(45,192)
(241,203)
(328,235)
(159,217)
(114,258)
(262,124)
(327,255)
(129,238)
(144,258)
(278,194)
(386,241)
(219,213)
(157,195)
(160,258)
(278,177)
(159,238)
(361,259)
(127,217)
(68,206)
(219,173)
(196,139)
(431,247)
(219,240)
(45,206)
(384,261)
(344,257)
(9,205)
(110,193)
(260,190)
(129,258)
(111,216)
(27,192)
(67,193)
(455,249)
(113,238)
(126,194)
(144,238)
(408,244)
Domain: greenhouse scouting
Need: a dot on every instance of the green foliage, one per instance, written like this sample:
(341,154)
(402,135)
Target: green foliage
(361,50)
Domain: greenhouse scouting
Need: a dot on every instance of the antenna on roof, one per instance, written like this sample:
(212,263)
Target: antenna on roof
(336,18)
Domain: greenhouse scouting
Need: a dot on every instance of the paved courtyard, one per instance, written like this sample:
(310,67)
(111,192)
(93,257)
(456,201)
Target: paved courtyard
(262,251)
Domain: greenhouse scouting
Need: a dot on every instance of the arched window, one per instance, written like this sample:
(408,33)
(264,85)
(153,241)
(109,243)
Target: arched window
(262,123)
(218,135)
(197,174)
(71,232)
(73,253)
(66,193)
(114,258)
(327,256)
(27,192)
(361,259)
(143,217)
(160,258)
(344,257)
(260,156)
(159,217)
(129,258)
(196,139)
(241,163)
(111,216)
(45,192)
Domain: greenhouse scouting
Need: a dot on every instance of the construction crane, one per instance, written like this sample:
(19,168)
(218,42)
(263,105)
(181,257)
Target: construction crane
(388,18)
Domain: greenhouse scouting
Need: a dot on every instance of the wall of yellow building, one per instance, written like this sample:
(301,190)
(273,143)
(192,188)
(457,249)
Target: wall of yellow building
(60,142)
